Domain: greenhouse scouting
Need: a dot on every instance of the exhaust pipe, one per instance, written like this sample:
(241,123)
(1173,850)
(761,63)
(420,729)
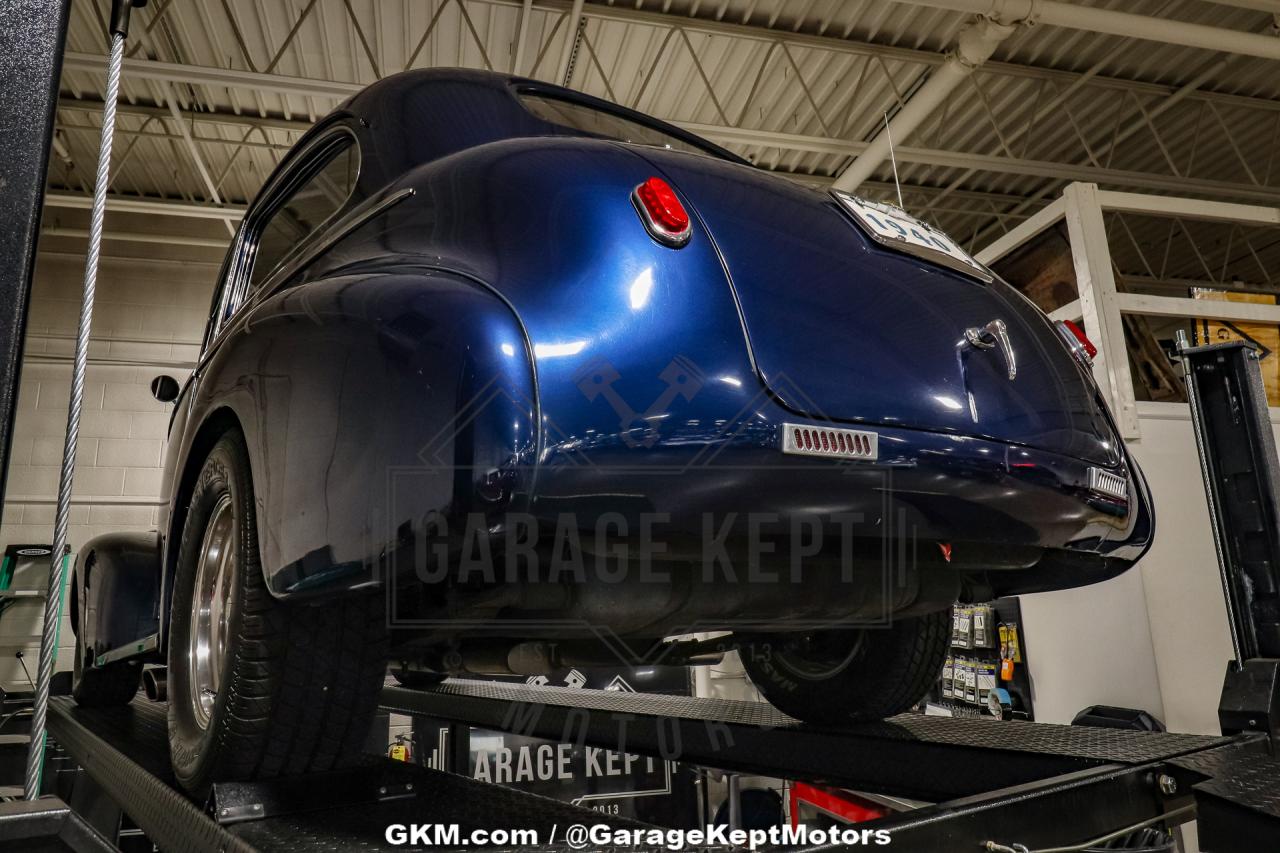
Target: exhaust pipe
(155,683)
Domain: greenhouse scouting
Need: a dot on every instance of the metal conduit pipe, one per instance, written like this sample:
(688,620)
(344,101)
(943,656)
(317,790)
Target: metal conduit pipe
(1092,19)
(975,43)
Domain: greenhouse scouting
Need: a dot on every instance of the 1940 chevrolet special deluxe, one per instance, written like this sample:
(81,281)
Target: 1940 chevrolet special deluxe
(499,378)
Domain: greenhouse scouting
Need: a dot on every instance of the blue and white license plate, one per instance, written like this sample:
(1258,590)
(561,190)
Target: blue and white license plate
(896,229)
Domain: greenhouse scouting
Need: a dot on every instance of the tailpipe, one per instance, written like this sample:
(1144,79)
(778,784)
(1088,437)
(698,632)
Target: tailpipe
(155,683)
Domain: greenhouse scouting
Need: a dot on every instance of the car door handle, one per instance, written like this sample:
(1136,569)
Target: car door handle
(994,334)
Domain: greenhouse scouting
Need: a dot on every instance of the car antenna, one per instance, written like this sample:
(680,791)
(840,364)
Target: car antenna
(894,160)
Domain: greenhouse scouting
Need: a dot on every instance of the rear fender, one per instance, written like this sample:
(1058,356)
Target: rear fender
(370,400)
(115,592)
(624,328)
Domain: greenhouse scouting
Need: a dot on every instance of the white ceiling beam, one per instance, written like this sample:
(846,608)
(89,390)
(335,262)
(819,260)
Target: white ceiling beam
(1127,24)
(143,69)
(165,135)
(823,145)
(1141,283)
(975,43)
(231,78)
(242,120)
(1088,174)
(773,139)
(1136,125)
(1209,309)
(1272,6)
(1188,208)
(124,204)
(990,163)
(196,157)
(627,15)
(139,237)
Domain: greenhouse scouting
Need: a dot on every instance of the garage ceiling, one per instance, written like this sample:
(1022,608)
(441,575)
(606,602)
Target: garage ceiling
(217,90)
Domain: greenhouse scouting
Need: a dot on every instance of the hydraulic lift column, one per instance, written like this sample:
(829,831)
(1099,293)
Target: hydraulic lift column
(31,42)
(1229,411)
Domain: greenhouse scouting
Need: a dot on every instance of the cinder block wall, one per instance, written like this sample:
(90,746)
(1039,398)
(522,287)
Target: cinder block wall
(148,319)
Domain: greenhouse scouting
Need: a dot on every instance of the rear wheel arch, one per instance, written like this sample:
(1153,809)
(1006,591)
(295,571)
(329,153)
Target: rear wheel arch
(78,571)
(280,689)
(217,424)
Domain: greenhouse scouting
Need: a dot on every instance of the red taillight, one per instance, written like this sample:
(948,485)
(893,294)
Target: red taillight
(662,212)
(1078,340)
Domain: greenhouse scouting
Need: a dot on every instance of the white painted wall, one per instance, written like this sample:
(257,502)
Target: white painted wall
(148,320)
(1091,646)
(1157,636)
(1185,604)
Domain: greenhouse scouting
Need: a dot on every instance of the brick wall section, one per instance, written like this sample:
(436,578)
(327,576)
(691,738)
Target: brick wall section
(148,319)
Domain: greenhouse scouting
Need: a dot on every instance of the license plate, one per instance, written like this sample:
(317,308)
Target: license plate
(896,229)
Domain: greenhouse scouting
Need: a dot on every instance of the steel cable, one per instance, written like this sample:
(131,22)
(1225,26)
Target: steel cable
(53,603)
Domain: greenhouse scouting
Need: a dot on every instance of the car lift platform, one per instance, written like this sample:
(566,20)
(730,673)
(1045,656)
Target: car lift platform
(1006,782)
(126,753)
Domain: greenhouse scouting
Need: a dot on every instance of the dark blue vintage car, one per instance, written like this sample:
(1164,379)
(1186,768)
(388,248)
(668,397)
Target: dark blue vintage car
(500,378)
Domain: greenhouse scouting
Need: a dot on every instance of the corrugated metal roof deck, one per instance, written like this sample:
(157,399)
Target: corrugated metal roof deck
(793,86)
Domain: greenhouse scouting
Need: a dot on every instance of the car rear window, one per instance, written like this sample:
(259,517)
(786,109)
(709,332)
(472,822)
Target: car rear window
(306,208)
(595,122)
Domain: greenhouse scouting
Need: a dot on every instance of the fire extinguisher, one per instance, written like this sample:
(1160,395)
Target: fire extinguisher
(401,749)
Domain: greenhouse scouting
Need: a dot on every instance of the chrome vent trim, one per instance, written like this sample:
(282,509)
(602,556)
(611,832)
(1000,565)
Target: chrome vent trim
(1106,483)
(830,442)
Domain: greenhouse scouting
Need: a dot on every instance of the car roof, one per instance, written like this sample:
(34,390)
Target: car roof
(418,116)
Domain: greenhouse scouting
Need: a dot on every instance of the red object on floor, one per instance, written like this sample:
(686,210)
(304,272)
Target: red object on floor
(845,805)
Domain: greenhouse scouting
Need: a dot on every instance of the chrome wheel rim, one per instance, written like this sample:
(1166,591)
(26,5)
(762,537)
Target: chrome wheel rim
(211,607)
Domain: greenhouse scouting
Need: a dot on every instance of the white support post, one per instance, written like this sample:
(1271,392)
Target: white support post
(1201,309)
(1099,306)
(1071,311)
(1188,208)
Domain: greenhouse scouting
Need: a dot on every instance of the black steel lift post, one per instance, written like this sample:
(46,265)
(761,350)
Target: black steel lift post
(1239,807)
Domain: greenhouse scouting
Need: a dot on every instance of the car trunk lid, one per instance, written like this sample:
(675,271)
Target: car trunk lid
(842,327)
